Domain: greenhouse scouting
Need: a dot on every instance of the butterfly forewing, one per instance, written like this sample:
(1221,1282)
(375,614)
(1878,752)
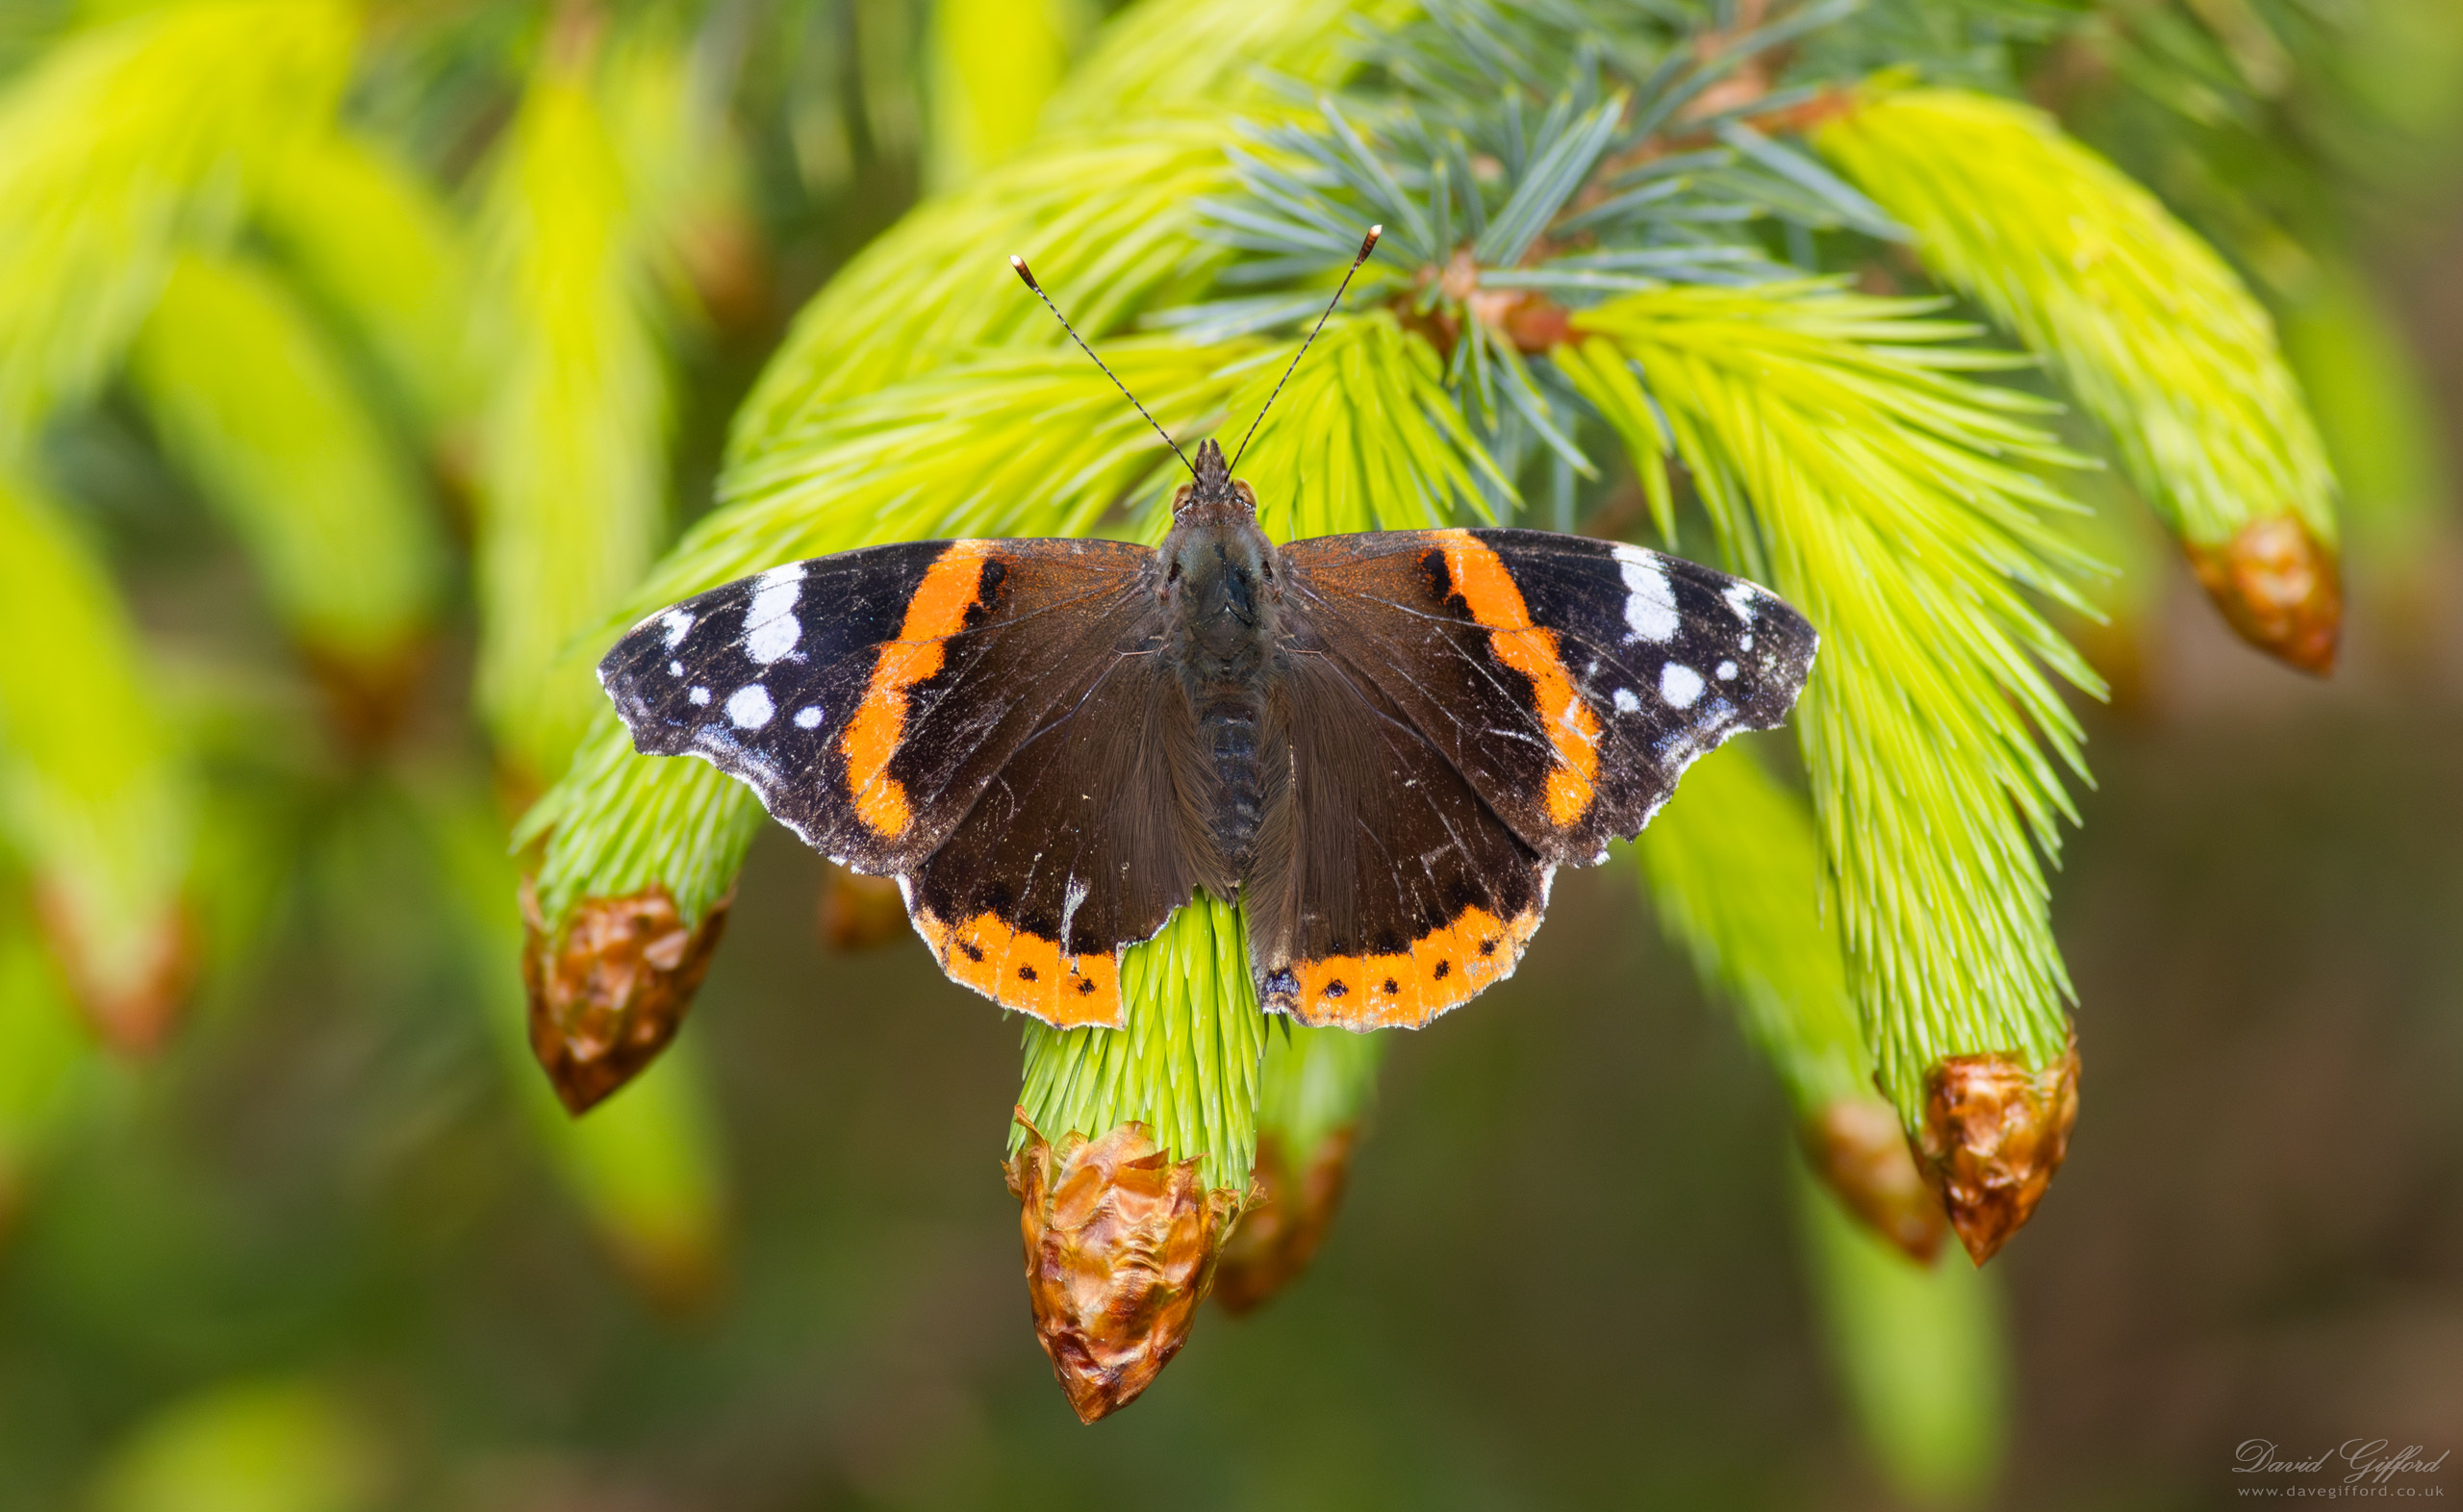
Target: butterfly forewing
(1569,680)
(869,697)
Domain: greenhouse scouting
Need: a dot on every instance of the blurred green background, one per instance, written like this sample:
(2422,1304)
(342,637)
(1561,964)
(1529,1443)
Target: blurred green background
(333,1247)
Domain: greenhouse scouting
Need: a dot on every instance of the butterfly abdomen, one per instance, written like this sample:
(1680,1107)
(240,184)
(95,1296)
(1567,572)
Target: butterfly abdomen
(1220,597)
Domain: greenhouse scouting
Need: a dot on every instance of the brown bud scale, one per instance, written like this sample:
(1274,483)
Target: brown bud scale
(1289,1211)
(2279,587)
(1858,1149)
(1120,1249)
(1994,1132)
(609,991)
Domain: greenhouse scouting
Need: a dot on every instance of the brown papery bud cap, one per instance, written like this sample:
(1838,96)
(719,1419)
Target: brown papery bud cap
(2279,587)
(1291,1206)
(1994,1132)
(1120,1249)
(1859,1152)
(609,992)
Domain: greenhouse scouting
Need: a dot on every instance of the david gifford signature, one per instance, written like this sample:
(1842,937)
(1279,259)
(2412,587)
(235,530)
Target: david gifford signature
(2371,1460)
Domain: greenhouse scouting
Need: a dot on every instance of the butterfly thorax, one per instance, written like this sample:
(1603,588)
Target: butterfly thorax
(1220,597)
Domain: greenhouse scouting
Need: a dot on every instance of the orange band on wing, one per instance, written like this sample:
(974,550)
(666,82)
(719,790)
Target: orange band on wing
(936,612)
(1448,966)
(1024,972)
(1573,730)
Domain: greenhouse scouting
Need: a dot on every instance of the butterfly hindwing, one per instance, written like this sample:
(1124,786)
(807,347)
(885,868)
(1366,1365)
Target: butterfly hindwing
(907,708)
(1384,892)
(1569,680)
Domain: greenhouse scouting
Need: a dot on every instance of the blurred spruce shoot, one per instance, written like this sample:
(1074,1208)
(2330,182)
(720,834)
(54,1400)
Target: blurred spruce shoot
(1733,869)
(2378,418)
(1314,1087)
(1102,207)
(132,138)
(2146,324)
(43,1052)
(573,447)
(268,1446)
(1918,1352)
(375,246)
(250,400)
(646,1168)
(98,809)
(994,63)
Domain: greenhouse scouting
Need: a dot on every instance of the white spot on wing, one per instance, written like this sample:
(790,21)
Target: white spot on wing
(677,623)
(770,629)
(675,668)
(1650,604)
(1743,598)
(700,696)
(1680,685)
(1727,671)
(1626,702)
(749,706)
(808,717)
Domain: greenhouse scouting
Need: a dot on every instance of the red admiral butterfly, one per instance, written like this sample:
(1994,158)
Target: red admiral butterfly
(1385,744)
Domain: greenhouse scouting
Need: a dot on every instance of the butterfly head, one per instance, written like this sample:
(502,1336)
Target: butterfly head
(1210,483)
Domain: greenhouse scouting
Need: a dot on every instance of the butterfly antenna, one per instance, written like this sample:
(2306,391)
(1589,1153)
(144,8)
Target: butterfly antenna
(1024,272)
(1365,247)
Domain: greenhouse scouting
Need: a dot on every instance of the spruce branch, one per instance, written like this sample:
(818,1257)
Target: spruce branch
(994,66)
(2156,335)
(1844,453)
(1225,54)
